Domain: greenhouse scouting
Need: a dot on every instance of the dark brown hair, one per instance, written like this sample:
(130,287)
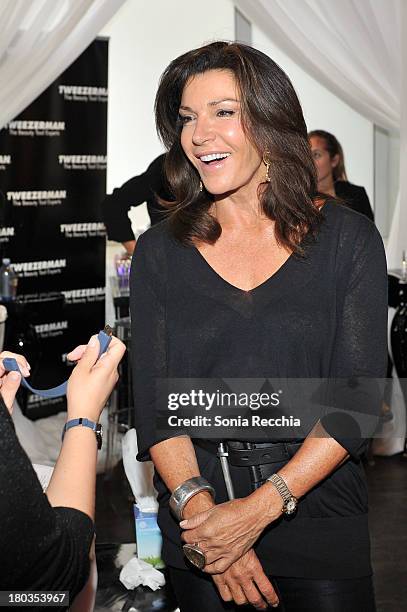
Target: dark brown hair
(273,120)
(333,146)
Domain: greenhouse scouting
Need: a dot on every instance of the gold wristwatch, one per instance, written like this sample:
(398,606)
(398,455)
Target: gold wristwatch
(290,502)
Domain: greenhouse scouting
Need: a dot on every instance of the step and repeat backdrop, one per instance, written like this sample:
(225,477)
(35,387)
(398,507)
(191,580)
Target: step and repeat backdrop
(53,177)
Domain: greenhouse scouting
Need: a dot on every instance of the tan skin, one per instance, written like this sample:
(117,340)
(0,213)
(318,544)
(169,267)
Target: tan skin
(130,245)
(245,255)
(324,164)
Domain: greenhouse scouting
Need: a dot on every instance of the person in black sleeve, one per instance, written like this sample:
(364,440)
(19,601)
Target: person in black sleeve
(332,180)
(255,276)
(45,540)
(142,188)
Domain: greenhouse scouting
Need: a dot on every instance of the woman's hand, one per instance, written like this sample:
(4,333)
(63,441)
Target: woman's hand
(227,531)
(10,381)
(245,582)
(93,379)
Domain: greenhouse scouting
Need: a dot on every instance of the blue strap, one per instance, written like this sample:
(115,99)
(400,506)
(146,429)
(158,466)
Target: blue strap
(96,427)
(10,364)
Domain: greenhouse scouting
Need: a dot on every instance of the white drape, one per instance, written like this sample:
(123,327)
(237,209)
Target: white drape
(357,49)
(39,40)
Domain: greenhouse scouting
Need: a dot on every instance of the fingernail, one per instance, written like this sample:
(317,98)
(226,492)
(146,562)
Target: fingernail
(183,524)
(14,375)
(92,341)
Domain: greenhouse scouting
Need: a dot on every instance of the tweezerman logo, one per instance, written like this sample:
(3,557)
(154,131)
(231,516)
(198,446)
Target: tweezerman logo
(47,328)
(39,265)
(39,268)
(5,232)
(5,160)
(36,195)
(36,128)
(76,296)
(80,93)
(82,159)
(83,230)
(47,197)
(81,227)
(37,125)
(83,162)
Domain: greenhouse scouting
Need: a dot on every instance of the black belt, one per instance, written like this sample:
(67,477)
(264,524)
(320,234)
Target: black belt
(247,454)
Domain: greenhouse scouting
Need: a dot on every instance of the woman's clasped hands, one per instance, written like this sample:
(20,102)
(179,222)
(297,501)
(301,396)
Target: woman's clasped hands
(226,534)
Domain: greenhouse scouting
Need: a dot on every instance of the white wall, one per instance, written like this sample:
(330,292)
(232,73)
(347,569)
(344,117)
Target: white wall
(144,37)
(323,110)
(387,163)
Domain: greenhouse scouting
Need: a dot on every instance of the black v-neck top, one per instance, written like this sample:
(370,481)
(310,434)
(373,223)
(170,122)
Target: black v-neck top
(319,316)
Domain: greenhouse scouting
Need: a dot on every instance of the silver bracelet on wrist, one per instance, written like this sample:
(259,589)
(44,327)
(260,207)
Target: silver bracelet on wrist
(185,492)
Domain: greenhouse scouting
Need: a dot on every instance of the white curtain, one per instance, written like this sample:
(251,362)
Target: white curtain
(39,40)
(357,49)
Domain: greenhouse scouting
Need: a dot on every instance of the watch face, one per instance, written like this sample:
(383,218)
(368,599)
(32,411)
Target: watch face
(291,505)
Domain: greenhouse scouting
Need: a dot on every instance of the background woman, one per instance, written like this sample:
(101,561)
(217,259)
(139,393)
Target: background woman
(248,278)
(332,180)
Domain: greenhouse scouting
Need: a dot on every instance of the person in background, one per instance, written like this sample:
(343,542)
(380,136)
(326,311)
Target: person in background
(139,189)
(332,180)
(45,540)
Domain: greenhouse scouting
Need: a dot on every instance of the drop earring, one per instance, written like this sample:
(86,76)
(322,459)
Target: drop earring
(267,163)
(200,186)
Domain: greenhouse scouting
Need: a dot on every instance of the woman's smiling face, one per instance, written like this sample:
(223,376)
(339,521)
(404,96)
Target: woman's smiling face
(212,134)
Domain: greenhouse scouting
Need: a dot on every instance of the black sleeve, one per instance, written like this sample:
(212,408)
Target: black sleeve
(116,206)
(364,204)
(148,332)
(134,192)
(361,343)
(41,547)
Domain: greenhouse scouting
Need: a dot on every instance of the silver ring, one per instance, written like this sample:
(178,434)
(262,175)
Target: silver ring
(195,555)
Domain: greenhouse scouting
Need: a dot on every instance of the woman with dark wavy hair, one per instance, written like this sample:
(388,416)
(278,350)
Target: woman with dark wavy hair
(253,276)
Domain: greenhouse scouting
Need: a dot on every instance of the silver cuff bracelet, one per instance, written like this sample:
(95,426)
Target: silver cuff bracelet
(185,491)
